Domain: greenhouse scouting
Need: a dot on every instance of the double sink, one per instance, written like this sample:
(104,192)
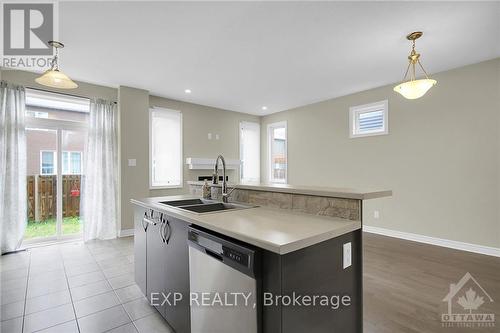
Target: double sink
(203,206)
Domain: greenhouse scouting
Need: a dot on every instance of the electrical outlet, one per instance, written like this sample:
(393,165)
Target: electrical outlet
(376,214)
(347,255)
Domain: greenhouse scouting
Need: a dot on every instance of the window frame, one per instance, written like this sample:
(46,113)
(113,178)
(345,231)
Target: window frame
(54,158)
(355,111)
(270,128)
(181,178)
(248,124)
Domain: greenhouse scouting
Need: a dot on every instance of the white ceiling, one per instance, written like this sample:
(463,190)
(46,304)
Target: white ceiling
(242,55)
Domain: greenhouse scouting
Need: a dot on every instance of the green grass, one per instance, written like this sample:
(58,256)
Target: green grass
(47,228)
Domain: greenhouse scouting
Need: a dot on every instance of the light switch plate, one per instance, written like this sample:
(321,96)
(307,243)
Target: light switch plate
(217,136)
(132,162)
(376,214)
(209,136)
(347,255)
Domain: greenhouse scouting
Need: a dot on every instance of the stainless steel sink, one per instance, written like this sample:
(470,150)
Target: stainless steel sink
(202,206)
(185,202)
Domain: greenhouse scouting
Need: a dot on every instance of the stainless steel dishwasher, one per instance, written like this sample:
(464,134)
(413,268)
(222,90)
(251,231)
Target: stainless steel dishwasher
(218,269)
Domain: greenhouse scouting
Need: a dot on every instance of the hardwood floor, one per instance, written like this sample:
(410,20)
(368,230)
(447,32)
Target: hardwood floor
(405,283)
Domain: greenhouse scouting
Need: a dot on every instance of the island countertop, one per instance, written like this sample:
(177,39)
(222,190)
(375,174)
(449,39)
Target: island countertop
(275,230)
(348,193)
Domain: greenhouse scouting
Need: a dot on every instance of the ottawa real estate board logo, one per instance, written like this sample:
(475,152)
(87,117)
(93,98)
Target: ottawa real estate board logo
(466,300)
(26,30)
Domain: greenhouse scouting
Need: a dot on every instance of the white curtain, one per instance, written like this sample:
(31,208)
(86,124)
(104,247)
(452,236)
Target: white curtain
(13,203)
(99,205)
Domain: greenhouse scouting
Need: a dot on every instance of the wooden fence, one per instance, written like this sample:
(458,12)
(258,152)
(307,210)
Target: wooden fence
(42,198)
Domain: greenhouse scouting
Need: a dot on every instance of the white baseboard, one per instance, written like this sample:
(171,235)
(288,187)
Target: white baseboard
(490,251)
(126,233)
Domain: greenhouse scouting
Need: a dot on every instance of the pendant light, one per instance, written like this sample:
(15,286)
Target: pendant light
(53,77)
(413,88)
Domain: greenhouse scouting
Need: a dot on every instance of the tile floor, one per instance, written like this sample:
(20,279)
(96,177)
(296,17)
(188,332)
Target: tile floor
(75,287)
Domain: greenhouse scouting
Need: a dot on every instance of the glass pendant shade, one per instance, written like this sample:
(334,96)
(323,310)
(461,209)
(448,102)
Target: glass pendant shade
(414,89)
(56,79)
(411,88)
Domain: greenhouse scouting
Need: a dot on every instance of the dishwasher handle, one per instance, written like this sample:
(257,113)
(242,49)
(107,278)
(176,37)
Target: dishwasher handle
(214,255)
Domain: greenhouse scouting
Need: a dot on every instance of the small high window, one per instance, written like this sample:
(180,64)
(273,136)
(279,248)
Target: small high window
(368,119)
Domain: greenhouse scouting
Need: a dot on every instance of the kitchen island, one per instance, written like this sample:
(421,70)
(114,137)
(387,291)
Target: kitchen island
(302,249)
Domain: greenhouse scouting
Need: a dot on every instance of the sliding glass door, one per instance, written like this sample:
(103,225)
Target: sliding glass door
(42,183)
(56,135)
(73,144)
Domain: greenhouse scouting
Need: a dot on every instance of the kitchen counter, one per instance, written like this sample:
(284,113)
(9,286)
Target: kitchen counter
(276,230)
(348,193)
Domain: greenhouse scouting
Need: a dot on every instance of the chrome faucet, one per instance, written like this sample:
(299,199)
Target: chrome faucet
(225,194)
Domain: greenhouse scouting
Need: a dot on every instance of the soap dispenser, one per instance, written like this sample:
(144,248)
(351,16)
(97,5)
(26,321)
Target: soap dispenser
(206,191)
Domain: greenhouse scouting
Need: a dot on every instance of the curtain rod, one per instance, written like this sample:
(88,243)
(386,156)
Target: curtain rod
(61,93)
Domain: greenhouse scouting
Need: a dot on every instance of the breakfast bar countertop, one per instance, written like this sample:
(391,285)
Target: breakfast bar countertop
(333,192)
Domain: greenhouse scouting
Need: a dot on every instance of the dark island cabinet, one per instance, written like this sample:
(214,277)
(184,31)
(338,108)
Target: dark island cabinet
(156,251)
(140,232)
(316,270)
(162,270)
(162,265)
(177,310)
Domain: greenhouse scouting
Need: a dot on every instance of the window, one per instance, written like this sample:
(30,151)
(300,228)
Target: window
(165,148)
(249,152)
(72,163)
(277,145)
(368,119)
(48,164)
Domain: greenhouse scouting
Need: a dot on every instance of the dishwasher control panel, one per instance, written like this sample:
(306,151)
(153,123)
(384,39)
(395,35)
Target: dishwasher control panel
(231,252)
(240,258)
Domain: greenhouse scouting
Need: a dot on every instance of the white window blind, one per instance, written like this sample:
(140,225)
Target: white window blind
(165,148)
(368,119)
(249,151)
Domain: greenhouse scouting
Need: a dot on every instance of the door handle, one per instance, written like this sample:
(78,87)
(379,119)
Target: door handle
(148,221)
(160,231)
(167,236)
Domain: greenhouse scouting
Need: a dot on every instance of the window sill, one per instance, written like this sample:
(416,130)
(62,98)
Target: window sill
(165,187)
(363,135)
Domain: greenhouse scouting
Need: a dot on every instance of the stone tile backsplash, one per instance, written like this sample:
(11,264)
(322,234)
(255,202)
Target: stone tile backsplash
(335,207)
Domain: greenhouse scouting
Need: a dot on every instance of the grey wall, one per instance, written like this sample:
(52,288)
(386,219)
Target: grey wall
(198,121)
(133,109)
(441,156)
